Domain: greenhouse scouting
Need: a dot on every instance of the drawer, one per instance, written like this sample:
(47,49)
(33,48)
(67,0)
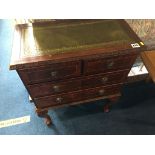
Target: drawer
(104,79)
(49,88)
(51,72)
(94,66)
(82,95)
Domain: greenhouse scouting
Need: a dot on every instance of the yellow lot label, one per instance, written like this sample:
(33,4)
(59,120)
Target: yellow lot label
(141,43)
(14,121)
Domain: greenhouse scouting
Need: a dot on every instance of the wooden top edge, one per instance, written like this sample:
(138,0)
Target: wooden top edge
(46,60)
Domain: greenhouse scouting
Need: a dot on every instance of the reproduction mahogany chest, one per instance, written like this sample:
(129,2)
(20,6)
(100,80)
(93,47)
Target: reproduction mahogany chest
(66,62)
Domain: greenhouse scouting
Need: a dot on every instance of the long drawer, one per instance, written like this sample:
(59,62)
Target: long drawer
(51,72)
(93,66)
(81,95)
(49,88)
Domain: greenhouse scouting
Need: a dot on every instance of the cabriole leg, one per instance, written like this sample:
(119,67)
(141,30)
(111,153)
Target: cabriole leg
(44,114)
(111,100)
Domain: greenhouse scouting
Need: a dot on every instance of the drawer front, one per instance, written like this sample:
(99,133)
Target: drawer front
(77,96)
(51,72)
(94,66)
(48,88)
(104,79)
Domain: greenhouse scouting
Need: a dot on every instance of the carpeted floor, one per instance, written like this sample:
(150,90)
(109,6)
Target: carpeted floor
(133,114)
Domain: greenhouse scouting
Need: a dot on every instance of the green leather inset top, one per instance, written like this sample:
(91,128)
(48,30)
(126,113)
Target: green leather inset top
(61,38)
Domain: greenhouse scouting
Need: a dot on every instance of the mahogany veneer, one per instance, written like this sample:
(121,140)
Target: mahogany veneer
(69,62)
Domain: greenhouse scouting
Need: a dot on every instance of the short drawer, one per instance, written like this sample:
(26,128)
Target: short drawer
(51,72)
(82,95)
(94,66)
(50,88)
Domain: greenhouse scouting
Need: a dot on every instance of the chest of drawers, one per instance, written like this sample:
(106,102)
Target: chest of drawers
(73,61)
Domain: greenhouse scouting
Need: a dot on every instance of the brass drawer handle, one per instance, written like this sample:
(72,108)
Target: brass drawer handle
(56,88)
(53,74)
(104,79)
(110,64)
(101,92)
(59,99)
